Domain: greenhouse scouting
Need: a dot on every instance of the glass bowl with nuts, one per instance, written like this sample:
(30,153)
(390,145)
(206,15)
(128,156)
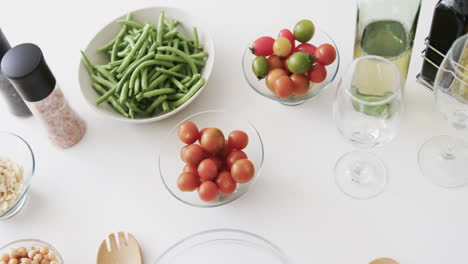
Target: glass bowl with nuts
(29,251)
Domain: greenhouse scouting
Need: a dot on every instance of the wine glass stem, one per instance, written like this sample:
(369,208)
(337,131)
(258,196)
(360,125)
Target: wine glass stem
(358,174)
(449,151)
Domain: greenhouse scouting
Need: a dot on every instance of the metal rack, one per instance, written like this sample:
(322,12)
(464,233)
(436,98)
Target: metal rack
(423,55)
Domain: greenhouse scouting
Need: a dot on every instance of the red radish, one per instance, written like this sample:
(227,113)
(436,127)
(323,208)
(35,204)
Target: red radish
(263,46)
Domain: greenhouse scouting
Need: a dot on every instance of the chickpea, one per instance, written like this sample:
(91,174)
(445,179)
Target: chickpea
(51,256)
(3,262)
(44,250)
(34,262)
(53,262)
(13,253)
(13,261)
(31,248)
(25,261)
(22,252)
(38,257)
(33,253)
(45,261)
(4,257)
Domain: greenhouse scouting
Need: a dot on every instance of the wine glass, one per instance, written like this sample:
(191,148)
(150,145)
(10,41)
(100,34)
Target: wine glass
(367,111)
(444,159)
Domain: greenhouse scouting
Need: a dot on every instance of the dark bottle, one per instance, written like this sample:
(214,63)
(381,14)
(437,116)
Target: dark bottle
(10,96)
(450,22)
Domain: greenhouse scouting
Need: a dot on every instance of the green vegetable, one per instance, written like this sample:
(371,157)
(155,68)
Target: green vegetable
(260,67)
(304,30)
(151,68)
(300,62)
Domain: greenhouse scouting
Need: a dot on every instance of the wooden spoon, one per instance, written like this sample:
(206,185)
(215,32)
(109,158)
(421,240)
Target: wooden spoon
(384,261)
(127,253)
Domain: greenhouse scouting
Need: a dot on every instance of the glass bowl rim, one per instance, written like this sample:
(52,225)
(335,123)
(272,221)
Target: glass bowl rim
(208,205)
(286,100)
(26,183)
(33,240)
(274,248)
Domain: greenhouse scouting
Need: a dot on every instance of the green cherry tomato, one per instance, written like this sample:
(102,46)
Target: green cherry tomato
(304,30)
(300,62)
(260,67)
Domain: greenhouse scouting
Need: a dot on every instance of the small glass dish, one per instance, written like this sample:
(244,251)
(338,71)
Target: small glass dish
(223,245)
(28,243)
(15,148)
(171,166)
(260,86)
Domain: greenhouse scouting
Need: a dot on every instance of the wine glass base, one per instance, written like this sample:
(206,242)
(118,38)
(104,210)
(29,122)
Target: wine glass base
(446,169)
(360,175)
(293,103)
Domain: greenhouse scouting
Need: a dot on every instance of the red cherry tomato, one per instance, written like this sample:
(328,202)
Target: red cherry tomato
(242,171)
(326,54)
(284,86)
(191,168)
(226,184)
(188,182)
(201,133)
(238,139)
(301,84)
(212,140)
(225,151)
(272,76)
(188,132)
(286,33)
(317,73)
(217,161)
(306,47)
(208,191)
(263,46)
(285,66)
(207,169)
(192,154)
(234,156)
(275,62)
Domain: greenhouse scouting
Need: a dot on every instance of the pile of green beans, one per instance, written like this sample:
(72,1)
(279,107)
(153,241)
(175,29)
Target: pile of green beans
(152,68)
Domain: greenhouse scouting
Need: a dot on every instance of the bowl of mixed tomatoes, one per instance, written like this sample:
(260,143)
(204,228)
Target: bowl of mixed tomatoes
(211,158)
(293,67)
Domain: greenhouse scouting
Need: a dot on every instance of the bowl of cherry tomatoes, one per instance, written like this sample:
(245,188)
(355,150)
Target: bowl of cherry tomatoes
(211,158)
(293,67)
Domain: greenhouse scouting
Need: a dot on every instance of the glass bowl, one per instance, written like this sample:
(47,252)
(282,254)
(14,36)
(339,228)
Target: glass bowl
(18,150)
(260,86)
(223,245)
(171,166)
(26,243)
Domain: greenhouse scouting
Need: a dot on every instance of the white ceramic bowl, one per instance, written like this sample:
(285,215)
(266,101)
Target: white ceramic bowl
(106,34)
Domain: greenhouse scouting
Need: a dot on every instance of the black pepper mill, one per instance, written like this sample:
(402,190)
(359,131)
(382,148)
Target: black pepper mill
(11,98)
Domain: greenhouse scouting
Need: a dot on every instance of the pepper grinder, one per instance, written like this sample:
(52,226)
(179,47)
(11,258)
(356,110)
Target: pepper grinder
(26,68)
(11,98)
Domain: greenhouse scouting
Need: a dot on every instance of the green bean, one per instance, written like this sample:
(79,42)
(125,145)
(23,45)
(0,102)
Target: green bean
(179,85)
(195,37)
(165,106)
(176,96)
(129,71)
(199,55)
(136,85)
(155,104)
(114,50)
(171,33)
(131,114)
(161,91)
(173,73)
(89,67)
(106,96)
(130,24)
(120,108)
(135,108)
(188,95)
(144,79)
(124,93)
(121,33)
(144,65)
(186,79)
(130,41)
(185,46)
(182,55)
(138,45)
(192,81)
(143,50)
(103,81)
(106,74)
(160,30)
(153,47)
(154,76)
(176,59)
(114,64)
(163,77)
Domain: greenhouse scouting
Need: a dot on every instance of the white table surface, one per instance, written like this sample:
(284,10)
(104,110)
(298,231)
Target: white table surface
(109,182)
